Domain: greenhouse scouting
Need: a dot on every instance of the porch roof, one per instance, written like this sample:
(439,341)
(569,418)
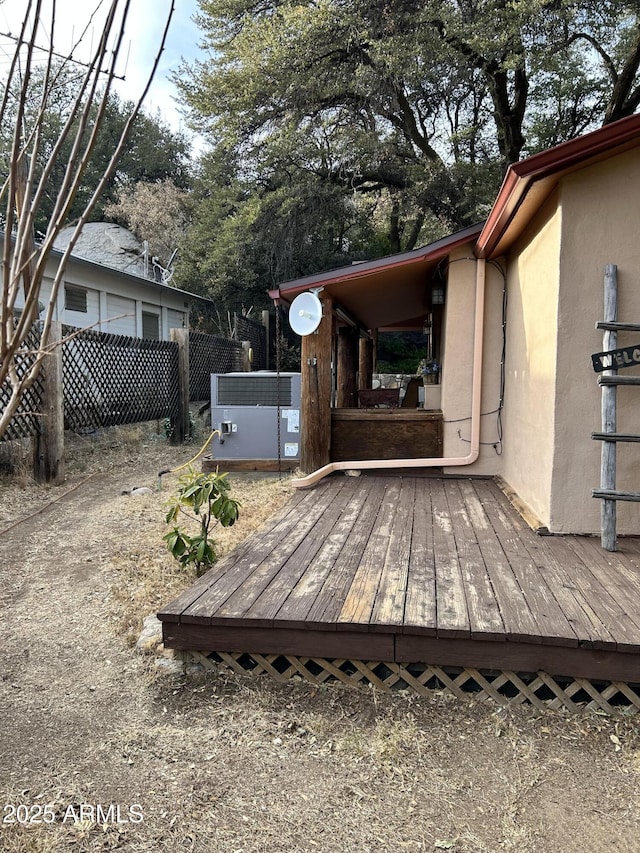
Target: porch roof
(388,293)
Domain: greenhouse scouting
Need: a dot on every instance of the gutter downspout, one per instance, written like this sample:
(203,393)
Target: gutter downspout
(476,393)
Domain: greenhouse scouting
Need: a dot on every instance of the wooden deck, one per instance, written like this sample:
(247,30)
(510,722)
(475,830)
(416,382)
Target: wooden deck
(419,569)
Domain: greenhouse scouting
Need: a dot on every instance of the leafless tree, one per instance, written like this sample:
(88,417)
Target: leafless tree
(24,260)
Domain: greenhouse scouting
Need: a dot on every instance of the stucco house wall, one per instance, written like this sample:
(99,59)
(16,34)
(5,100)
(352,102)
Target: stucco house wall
(457,368)
(533,282)
(600,214)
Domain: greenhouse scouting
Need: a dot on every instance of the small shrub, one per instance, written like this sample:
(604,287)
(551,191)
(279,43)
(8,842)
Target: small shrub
(206,498)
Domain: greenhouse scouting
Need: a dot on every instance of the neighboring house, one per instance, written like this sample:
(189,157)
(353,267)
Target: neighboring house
(107,286)
(518,396)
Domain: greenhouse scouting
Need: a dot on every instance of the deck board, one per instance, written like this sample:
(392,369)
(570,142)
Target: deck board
(299,540)
(451,600)
(515,536)
(519,622)
(326,609)
(358,604)
(420,601)
(308,553)
(389,604)
(305,594)
(484,614)
(401,566)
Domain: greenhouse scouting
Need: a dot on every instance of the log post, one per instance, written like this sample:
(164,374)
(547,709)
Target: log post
(609,425)
(180,424)
(365,364)
(48,444)
(315,403)
(346,368)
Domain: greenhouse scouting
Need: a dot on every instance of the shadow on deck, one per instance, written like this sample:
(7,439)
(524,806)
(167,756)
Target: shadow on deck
(421,582)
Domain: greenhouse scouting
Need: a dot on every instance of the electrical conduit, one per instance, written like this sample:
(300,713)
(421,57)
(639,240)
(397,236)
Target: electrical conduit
(476,393)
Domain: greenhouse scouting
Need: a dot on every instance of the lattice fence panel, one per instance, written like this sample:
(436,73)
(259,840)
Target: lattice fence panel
(113,379)
(25,422)
(256,334)
(209,354)
(501,687)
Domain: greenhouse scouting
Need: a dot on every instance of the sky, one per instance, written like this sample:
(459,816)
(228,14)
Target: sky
(145,24)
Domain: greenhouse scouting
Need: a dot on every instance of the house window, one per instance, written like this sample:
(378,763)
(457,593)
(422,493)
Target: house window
(150,326)
(75,299)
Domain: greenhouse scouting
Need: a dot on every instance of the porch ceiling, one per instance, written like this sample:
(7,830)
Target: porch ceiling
(389,293)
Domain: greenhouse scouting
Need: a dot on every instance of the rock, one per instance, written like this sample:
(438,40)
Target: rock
(169,666)
(151,636)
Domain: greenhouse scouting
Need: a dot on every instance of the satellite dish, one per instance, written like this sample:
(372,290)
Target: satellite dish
(305,313)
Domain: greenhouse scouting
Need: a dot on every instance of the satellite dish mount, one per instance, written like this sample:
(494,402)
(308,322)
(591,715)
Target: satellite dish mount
(305,312)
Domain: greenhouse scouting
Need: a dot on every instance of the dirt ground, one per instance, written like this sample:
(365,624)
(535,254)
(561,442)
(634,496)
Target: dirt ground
(101,750)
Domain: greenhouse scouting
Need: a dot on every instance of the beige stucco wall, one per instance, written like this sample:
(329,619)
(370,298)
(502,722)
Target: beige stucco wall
(530,387)
(457,363)
(600,216)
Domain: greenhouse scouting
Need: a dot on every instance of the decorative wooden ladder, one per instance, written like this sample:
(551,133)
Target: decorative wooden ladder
(609,381)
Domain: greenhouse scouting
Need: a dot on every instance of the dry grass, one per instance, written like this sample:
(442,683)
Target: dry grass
(147,575)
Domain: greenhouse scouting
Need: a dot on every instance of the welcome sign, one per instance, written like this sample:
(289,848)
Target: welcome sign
(616,358)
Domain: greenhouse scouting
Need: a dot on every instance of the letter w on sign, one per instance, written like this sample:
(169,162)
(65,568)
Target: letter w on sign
(616,358)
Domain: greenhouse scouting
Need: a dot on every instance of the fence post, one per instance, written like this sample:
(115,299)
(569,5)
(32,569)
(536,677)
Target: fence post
(180,423)
(266,321)
(48,444)
(247,356)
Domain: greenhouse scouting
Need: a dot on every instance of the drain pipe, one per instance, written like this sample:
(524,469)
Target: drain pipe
(476,393)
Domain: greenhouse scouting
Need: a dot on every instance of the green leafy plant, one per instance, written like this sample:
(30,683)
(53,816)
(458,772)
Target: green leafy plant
(206,498)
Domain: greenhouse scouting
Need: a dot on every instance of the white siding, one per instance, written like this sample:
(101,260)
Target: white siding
(83,319)
(176,319)
(117,306)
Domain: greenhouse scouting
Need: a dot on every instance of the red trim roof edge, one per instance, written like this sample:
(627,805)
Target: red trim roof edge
(440,248)
(520,176)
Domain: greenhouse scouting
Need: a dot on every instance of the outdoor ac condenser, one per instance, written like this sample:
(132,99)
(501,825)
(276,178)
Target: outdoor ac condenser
(244,408)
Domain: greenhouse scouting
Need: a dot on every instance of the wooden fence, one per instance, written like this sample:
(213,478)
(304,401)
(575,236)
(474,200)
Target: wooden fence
(105,380)
(25,421)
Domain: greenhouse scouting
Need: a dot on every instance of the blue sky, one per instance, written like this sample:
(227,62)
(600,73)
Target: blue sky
(144,28)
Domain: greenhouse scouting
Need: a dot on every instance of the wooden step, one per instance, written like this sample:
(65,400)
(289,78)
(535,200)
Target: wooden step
(618,380)
(614,436)
(615,495)
(618,327)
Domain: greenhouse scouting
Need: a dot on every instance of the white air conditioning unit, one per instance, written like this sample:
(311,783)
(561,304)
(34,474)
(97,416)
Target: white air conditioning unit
(244,409)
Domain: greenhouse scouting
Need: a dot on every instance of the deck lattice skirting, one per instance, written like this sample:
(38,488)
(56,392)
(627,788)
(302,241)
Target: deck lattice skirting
(539,690)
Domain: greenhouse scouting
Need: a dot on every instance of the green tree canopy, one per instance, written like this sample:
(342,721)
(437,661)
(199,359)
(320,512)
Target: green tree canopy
(348,128)
(153,151)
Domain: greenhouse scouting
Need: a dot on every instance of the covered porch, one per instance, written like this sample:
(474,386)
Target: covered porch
(343,418)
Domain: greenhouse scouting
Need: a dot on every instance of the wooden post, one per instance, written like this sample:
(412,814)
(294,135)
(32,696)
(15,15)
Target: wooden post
(266,322)
(346,369)
(365,365)
(247,356)
(48,445)
(609,425)
(315,403)
(180,423)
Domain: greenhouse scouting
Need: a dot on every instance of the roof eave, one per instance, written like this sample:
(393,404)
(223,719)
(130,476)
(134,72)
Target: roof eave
(552,164)
(433,251)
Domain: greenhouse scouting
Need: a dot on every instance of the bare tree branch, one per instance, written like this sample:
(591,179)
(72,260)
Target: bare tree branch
(24,262)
